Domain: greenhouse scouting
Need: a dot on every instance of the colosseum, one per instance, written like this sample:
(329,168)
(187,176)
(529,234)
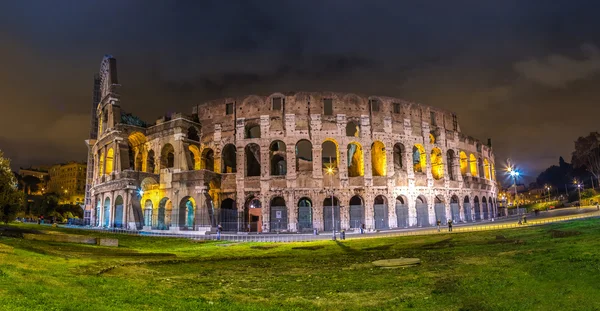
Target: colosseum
(286,162)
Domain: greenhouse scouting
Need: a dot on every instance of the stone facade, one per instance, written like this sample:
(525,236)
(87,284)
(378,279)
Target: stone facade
(272,163)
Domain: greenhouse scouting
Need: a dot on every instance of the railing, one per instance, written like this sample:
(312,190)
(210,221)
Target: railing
(297,237)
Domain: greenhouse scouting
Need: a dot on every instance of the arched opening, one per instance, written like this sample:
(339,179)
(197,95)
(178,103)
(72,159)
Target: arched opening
(477,208)
(229,159)
(253,215)
(305,215)
(454,209)
(98,211)
(278,157)
(380,209)
(464,163)
(110,161)
(148,213)
(194,159)
(356,165)
(252,130)
(138,162)
(467,209)
(484,208)
(357,212)
(330,154)
(278,213)
(192,134)
(419,158)
(252,153)
(304,156)
(167,156)
(352,129)
(163,217)
(422,212)
(150,167)
(450,161)
(491,208)
(187,212)
(431,139)
(480,167)
(486,168)
(101,164)
(106,214)
(439,208)
(131,157)
(493,172)
(398,157)
(473,165)
(228,215)
(328,219)
(402,212)
(378,159)
(437,164)
(207,161)
(118,221)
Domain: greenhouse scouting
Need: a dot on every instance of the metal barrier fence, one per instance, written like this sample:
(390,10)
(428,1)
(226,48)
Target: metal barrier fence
(296,237)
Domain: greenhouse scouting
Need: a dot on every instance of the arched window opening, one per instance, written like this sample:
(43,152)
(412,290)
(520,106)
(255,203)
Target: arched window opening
(419,158)
(138,162)
(118,221)
(110,158)
(380,212)
(252,154)
(252,131)
(278,213)
(398,157)
(229,159)
(450,160)
(352,129)
(192,134)
(167,156)
(473,165)
(304,214)
(194,159)
(330,154)
(208,160)
(480,167)
(304,156)
(437,164)
(378,159)
(486,168)
(464,163)
(278,158)
(356,165)
(150,162)
(357,212)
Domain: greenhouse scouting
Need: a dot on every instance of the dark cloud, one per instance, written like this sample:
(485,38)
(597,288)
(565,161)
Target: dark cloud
(524,73)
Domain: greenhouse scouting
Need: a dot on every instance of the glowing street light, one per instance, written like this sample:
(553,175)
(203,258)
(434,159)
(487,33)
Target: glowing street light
(514,174)
(330,170)
(579,186)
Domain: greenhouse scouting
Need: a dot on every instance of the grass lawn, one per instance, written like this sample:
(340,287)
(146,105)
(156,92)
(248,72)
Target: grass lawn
(516,269)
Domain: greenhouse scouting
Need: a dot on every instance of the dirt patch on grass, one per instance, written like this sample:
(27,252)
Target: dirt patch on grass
(310,248)
(13,232)
(264,246)
(439,244)
(379,248)
(563,234)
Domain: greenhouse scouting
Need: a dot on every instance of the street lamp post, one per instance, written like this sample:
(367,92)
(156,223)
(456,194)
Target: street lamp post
(514,175)
(330,172)
(579,193)
(548,188)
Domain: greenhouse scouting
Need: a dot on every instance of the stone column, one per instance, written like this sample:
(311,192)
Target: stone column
(317,155)
(412,210)
(392,217)
(292,209)
(318,213)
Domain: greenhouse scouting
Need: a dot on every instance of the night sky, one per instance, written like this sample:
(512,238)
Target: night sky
(524,73)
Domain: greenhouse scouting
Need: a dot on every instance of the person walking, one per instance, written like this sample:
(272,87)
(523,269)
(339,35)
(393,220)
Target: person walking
(343,234)
(449,225)
(438,223)
(219,229)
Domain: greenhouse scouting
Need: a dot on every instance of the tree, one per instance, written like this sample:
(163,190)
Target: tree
(11,199)
(587,153)
(31,184)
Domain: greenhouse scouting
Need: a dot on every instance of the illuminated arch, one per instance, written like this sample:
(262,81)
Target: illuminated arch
(356,166)
(486,168)
(464,163)
(101,164)
(378,159)
(431,139)
(473,165)
(110,161)
(493,171)
(437,163)
(229,159)
(194,157)
(419,158)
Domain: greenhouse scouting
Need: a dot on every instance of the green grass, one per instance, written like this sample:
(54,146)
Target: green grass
(523,269)
(541,206)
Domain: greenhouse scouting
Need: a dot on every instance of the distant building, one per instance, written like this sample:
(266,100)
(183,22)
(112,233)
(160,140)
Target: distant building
(68,181)
(35,171)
